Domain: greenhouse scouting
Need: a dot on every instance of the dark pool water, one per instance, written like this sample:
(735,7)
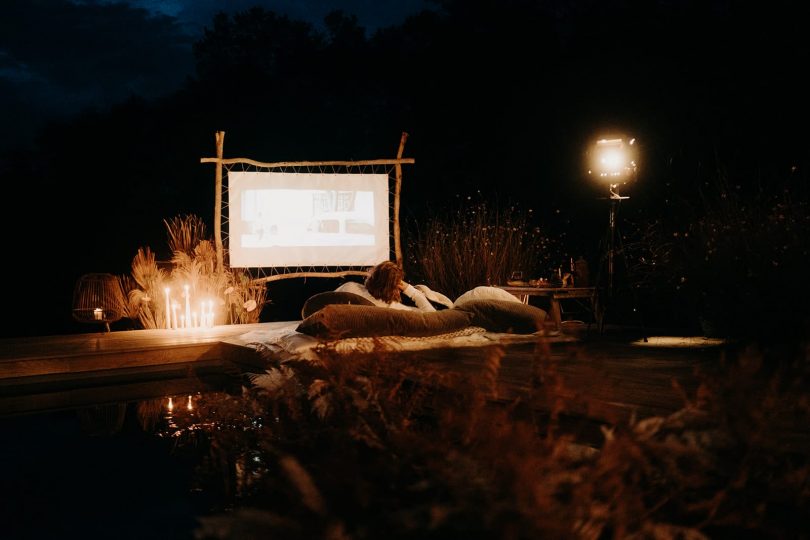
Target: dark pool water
(120,470)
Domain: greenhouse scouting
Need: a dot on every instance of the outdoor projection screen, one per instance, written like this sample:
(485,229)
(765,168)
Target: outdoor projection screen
(307,219)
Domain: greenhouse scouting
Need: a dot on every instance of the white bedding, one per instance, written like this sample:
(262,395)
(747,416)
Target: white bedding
(282,342)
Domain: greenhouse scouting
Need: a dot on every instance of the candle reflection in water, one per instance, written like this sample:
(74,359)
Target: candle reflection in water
(205,425)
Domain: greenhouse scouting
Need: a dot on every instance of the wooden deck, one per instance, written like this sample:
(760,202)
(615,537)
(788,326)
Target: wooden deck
(86,353)
(57,372)
(605,381)
(601,379)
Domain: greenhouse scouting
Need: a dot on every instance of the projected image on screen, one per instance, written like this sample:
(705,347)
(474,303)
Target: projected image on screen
(298,219)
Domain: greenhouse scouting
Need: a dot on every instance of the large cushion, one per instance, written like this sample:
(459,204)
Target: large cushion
(350,320)
(485,293)
(318,301)
(504,316)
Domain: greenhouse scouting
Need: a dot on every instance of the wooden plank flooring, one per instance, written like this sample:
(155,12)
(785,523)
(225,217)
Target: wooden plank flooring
(84,353)
(51,373)
(601,379)
(604,381)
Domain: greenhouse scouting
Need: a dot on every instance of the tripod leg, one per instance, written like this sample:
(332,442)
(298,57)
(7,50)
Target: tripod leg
(634,293)
(605,295)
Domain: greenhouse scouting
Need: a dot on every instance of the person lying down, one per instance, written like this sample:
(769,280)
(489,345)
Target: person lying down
(375,308)
(385,286)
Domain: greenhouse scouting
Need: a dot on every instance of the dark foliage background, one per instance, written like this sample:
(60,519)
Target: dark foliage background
(500,97)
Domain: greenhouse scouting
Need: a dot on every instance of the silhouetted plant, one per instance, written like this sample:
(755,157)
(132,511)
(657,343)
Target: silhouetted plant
(476,244)
(374,445)
(230,293)
(738,258)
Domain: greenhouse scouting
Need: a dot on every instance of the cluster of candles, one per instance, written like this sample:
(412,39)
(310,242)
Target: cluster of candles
(186,318)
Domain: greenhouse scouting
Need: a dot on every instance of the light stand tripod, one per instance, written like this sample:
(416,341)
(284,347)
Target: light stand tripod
(612,239)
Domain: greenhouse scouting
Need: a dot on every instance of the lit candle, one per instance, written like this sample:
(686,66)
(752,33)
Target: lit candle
(188,306)
(182,321)
(174,315)
(189,406)
(211,313)
(168,310)
(170,406)
(194,320)
(98,314)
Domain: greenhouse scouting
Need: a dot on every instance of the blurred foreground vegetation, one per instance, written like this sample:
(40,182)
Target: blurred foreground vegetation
(382,446)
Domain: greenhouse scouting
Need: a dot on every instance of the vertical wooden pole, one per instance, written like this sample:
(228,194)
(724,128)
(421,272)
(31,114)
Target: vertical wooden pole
(220,141)
(397,190)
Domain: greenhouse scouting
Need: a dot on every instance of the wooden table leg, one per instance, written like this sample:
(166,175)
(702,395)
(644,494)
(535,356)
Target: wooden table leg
(556,313)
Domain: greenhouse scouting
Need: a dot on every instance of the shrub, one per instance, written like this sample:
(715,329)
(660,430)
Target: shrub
(476,244)
(737,258)
(384,445)
(229,294)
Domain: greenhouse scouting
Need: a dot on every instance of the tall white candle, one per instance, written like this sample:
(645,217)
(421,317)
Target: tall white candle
(194,320)
(174,315)
(183,321)
(211,313)
(188,307)
(168,310)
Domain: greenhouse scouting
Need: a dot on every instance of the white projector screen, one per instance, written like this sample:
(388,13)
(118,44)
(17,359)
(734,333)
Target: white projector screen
(307,219)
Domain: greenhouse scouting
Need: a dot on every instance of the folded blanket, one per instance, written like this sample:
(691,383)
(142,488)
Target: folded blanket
(280,343)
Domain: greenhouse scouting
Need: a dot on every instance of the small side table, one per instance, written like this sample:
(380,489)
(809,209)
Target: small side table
(586,296)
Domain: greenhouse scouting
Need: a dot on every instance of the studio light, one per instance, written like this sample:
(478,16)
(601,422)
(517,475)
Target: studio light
(614,161)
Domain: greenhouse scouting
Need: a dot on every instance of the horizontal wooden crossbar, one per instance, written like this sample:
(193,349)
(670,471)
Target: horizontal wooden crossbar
(231,161)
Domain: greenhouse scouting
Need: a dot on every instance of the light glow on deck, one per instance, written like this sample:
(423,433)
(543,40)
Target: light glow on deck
(681,342)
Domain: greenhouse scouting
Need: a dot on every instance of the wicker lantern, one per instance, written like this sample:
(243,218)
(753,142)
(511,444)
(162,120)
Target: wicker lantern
(98,299)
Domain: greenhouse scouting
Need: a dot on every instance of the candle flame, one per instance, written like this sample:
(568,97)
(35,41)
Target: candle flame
(189,406)
(170,406)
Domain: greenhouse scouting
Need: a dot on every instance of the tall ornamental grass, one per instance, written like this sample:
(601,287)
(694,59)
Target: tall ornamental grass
(476,244)
(236,298)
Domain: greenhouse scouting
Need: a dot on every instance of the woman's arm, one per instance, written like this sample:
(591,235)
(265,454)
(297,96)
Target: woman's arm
(418,297)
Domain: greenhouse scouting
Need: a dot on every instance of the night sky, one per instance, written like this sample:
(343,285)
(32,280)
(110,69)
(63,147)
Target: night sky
(59,57)
(108,107)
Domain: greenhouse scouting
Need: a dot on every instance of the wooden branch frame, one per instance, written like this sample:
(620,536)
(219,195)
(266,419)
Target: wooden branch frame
(278,277)
(279,164)
(220,142)
(219,162)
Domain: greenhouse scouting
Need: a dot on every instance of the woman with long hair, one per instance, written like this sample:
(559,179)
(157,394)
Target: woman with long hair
(385,286)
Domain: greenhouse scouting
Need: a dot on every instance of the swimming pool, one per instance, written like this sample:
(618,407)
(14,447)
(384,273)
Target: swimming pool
(134,468)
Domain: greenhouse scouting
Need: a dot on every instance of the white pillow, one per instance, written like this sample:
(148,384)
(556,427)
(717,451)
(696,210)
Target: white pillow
(484,292)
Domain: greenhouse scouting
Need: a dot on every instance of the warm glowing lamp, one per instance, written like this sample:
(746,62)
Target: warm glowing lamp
(613,161)
(99,299)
